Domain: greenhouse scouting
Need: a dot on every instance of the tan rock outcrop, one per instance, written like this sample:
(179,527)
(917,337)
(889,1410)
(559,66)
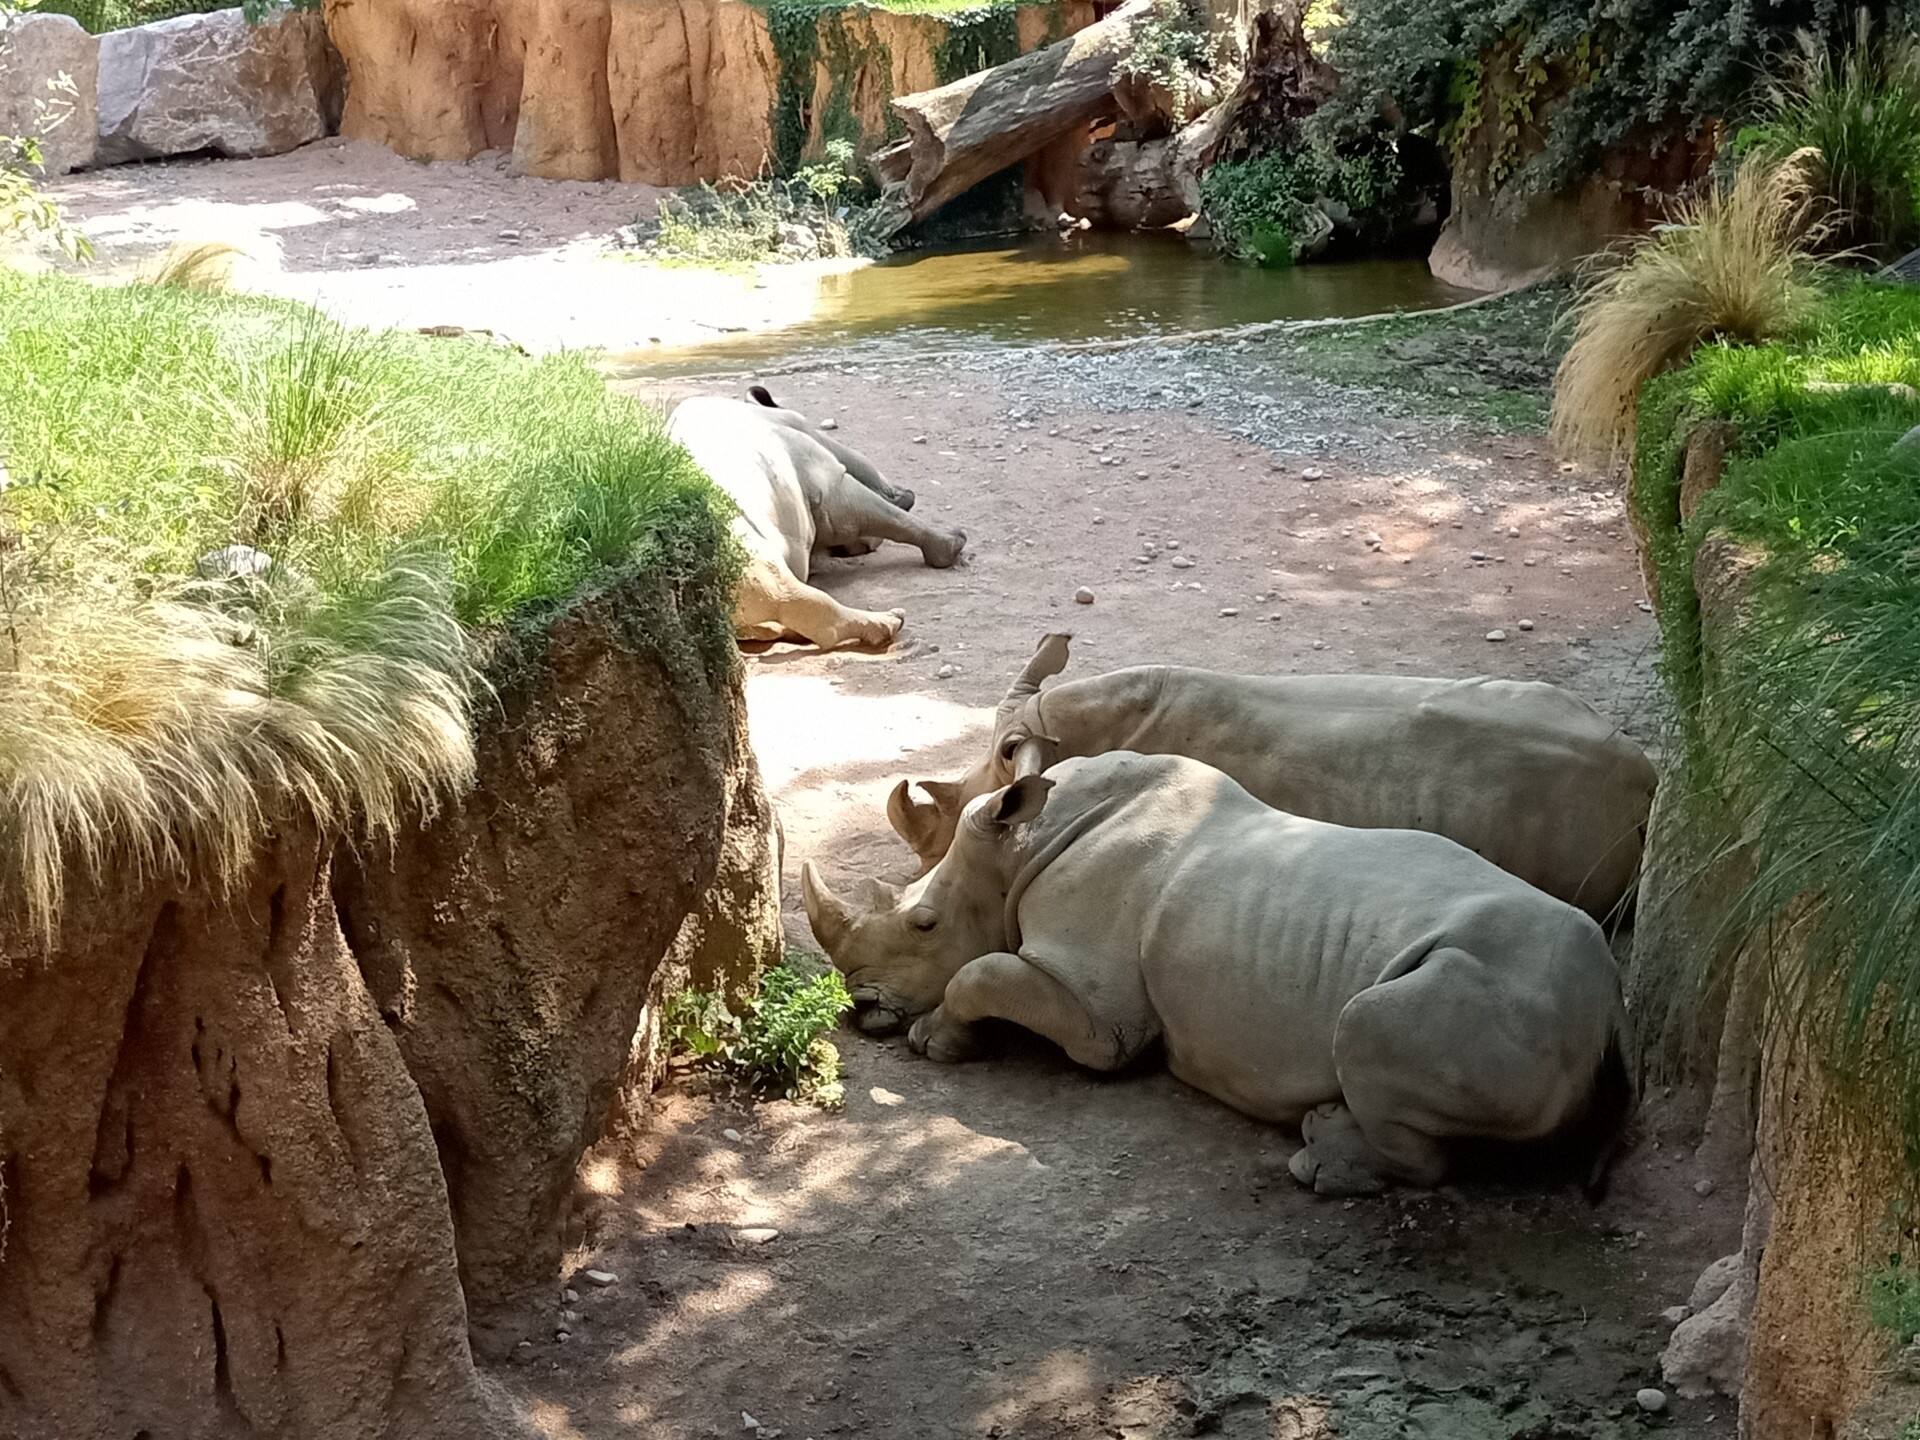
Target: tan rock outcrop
(511,943)
(50,88)
(215,82)
(223,1213)
(663,92)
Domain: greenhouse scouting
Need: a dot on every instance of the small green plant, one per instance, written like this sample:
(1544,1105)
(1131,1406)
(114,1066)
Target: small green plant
(1893,1300)
(815,215)
(780,1045)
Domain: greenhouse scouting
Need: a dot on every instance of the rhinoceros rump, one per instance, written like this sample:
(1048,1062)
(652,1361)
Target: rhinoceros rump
(1518,771)
(797,490)
(1387,990)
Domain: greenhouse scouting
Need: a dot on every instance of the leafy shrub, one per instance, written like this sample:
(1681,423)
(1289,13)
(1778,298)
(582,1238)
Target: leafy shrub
(779,1045)
(1171,49)
(1731,265)
(1262,208)
(100,16)
(817,213)
(1858,107)
(1893,1301)
(1657,68)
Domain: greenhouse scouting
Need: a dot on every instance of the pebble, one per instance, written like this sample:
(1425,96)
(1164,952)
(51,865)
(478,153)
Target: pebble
(1183,562)
(1373,539)
(509,234)
(571,1297)
(1646,605)
(1083,596)
(599,1279)
(1526,624)
(570,1318)
(562,1336)
(829,423)
(747,1422)
(757,1234)
(733,1135)
(1674,1314)
(1143,559)
(1476,554)
(1513,532)
(1703,1188)
(1318,644)
(919,439)
(1651,1400)
(1313,472)
(945,672)
(1227,612)
(1173,544)
(1496,634)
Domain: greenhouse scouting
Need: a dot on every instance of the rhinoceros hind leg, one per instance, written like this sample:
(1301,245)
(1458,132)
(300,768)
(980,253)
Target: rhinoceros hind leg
(852,513)
(772,602)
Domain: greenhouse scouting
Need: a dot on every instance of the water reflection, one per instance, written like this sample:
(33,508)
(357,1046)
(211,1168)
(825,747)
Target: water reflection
(1080,287)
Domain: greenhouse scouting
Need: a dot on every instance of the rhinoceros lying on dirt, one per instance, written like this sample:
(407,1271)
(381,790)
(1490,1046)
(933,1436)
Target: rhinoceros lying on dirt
(1519,771)
(798,490)
(1387,990)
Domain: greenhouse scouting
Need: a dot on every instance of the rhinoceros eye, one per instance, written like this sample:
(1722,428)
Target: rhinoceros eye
(1009,745)
(923,920)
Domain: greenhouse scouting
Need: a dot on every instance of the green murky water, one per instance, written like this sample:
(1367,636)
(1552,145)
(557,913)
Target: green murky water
(1082,287)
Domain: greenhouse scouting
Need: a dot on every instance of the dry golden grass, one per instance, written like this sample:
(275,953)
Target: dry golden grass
(194,265)
(1733,264)
(166,736)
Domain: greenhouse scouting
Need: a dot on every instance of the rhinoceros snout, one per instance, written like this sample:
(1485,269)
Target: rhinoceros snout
(874,1016)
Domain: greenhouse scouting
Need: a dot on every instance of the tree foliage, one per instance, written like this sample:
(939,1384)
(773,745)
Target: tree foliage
(1652,68)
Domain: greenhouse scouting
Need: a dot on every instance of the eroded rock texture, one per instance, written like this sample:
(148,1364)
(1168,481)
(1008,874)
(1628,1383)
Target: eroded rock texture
(511,944)
(224,1214)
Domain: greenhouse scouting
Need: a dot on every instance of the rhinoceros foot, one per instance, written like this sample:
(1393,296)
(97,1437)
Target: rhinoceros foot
(941,1039)
(1336,1160)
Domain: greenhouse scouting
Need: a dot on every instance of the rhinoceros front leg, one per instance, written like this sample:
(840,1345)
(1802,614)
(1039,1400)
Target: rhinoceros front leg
(773,603)
(1004,986)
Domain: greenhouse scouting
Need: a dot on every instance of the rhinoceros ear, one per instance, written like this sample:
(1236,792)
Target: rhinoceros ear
(924,824)
(1020,801)
(826,911)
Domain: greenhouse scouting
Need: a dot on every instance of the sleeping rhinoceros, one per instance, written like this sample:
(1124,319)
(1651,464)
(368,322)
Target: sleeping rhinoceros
(797,489)
(1387,990)
(1519,771)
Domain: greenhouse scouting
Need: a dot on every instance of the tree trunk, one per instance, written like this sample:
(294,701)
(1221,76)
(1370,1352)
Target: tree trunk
(961,133)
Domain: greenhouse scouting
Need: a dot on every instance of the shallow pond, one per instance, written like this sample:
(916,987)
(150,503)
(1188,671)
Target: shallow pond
(1080,287)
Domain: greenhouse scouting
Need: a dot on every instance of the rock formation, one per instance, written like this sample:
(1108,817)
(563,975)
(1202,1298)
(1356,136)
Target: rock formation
(36,52)
(662,92)
(511,943)
(223,1213)
(215,82)
(258,1152)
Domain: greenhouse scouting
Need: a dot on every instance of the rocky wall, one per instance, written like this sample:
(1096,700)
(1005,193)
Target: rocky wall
(271,1161)
(662,92)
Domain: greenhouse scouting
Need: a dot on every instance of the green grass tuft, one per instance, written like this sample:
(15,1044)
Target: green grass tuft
(411,493)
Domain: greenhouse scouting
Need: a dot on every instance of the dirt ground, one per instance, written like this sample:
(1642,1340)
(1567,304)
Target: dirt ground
(1017,1248)
(378,240)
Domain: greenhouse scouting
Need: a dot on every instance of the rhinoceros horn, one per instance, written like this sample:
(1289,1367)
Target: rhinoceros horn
(1050,658)
(926,825)
(827,913)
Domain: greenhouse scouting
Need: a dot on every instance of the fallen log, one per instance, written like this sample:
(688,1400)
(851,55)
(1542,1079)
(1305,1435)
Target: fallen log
(961,133)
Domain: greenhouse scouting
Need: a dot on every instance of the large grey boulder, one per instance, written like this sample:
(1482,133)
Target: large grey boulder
(214,82)
(36,51)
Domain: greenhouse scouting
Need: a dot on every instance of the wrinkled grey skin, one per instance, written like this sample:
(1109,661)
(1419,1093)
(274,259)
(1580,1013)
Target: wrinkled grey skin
(1517,771)
(1388,991)
(798,490)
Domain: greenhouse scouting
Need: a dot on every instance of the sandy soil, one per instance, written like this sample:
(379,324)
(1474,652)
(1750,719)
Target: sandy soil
(1017,1248)
(378,240)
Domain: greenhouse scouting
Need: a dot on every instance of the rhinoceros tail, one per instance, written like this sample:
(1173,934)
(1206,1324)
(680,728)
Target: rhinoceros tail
(1610,1105)
(764,396)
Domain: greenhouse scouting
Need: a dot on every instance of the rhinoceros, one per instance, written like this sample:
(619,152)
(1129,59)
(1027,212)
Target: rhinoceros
(1518,771)
(1388,991)
(797,489)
